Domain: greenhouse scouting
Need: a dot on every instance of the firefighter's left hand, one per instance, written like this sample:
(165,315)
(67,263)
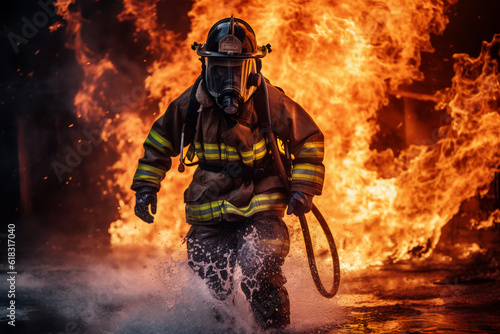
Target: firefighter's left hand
(299,204)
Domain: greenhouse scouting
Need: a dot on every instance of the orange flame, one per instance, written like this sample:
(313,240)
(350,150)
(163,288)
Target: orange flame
(338,62)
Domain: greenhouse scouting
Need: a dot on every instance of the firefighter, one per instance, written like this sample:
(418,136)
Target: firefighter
(236,200)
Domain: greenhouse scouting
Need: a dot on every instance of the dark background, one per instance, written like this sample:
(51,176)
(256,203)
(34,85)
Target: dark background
(38,84)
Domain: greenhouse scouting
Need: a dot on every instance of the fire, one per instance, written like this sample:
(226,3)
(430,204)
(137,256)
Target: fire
(339,63)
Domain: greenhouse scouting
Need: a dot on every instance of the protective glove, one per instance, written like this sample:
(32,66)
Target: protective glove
(299,204)
(144,197)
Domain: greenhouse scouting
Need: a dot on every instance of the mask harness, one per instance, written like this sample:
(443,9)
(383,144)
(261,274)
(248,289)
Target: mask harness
(264,115)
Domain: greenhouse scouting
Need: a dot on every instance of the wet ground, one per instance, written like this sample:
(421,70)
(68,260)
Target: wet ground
(402,300)
(83,294)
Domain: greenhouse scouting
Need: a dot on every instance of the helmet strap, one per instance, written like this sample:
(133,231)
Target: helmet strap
(203,65)
(258,64)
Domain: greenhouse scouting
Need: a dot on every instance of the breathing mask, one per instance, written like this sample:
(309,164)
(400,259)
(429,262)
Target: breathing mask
(229,81)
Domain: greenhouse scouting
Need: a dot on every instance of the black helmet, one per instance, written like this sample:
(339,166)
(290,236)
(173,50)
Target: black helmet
(231,61)
(231,37)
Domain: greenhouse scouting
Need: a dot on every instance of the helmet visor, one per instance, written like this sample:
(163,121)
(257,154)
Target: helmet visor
(230,76)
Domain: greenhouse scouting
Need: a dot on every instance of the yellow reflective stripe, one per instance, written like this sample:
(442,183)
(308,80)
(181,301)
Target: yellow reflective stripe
(210,146)
(149,168)
(151,179)
(146,177)
(254,206)
(195,212)
(248,157)
(205,206)
(311,167)
(158,147)
(260,155)
(247,154)
(253,209)
(211,156)
(149,173)
(223,152)
(308,178)
(159,142)
(230,153)
(259,150)
(308,173)
(199,151)
(312,150)
(214,152)
(310,155)
(161,139)
(207,211)
(259,145)
(314,144)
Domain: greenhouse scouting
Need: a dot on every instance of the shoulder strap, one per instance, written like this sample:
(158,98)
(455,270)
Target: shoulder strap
(262,105)
(188,127)
(194,105)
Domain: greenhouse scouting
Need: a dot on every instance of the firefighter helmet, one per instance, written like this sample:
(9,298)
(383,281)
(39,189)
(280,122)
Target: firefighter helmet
(233,38)
(232,62)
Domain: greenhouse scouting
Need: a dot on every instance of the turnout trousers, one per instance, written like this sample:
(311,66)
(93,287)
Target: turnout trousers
(258,246)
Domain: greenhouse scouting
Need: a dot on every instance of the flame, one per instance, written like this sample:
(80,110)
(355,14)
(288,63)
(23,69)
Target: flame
(339,62)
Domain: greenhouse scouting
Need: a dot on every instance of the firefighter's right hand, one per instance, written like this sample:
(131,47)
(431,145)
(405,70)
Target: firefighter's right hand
(299,204)
(144,197)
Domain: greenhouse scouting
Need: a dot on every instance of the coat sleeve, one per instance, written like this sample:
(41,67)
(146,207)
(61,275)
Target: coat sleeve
(161,144)
(306,142)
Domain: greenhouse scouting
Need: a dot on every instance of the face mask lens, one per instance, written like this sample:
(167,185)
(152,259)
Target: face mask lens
(220,71)
(229,77)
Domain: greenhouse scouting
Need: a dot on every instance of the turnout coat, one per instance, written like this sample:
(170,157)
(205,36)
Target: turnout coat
(235,178)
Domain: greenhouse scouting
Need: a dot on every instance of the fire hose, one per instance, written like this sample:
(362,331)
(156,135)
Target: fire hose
(302,218)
